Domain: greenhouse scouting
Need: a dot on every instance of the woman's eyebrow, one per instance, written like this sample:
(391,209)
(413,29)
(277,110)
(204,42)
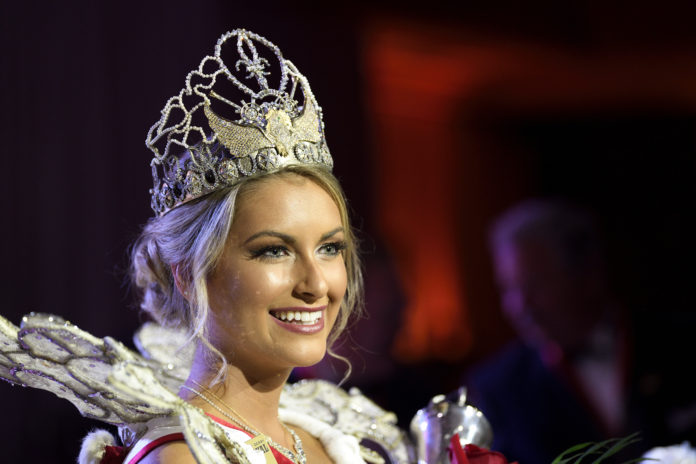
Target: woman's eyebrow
(271,233)
(331,233)
(287,238)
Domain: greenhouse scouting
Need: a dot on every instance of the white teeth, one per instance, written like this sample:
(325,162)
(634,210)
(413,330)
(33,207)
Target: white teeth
(300,317)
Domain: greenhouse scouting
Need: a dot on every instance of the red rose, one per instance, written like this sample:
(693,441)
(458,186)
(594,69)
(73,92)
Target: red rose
(472,454)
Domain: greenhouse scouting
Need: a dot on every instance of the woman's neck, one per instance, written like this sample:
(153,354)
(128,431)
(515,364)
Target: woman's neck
(251,398)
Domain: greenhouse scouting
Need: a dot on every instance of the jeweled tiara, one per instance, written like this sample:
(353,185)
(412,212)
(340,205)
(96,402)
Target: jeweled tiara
(198,150)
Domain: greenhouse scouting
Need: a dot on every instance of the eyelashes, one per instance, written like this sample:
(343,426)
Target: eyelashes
(272,252)
(334,248)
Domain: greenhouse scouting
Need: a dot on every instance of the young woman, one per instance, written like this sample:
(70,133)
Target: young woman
(271,278)
(251,252)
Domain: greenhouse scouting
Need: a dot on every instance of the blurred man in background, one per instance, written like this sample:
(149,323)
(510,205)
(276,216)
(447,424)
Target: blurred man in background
(576,373)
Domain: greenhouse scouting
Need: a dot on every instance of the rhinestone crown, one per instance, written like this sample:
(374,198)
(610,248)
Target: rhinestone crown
(272,128)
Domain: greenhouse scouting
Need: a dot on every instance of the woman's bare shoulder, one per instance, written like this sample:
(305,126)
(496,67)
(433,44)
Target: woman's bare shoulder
(172,453)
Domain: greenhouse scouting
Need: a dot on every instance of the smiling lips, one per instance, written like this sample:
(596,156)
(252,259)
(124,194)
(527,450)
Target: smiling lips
(300,320)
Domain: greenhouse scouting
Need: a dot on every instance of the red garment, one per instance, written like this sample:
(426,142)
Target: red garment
(113,459)
(155,444)
(279,457)
(113,455)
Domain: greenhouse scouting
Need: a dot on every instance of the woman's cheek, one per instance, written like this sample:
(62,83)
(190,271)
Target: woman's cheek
(339,284)
(275,279)
(339,281)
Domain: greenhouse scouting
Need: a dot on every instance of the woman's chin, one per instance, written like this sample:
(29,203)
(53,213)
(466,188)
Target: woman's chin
(309,356)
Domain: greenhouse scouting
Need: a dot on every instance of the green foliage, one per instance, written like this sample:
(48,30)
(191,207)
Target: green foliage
(597,452)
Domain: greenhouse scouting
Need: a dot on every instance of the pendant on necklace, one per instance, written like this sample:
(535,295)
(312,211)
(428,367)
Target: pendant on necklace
(260,443)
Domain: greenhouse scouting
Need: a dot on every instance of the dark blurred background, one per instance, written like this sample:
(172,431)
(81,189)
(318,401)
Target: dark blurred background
(438,117)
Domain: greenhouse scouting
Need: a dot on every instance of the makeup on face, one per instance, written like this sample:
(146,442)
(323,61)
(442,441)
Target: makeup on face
(280,282)
(306,320)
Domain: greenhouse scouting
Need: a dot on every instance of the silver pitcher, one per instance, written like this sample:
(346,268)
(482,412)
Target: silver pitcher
(433,426)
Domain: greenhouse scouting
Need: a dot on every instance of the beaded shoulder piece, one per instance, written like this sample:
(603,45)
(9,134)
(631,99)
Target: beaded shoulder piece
(354,414)
(240,113)
(107,381)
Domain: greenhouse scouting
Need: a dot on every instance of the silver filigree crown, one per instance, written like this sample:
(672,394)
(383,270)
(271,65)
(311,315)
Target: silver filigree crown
(272,128)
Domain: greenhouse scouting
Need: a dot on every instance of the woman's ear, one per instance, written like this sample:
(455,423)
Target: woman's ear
(177,272)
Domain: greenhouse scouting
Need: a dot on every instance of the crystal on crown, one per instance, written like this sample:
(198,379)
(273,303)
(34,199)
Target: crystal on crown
(197,150)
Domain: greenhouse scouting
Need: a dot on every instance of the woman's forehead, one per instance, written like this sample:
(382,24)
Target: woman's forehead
(284,202)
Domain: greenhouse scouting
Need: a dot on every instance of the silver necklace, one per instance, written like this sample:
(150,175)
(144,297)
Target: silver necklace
(297,457)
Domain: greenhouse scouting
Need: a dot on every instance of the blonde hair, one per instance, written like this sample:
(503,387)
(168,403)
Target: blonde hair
(191,238)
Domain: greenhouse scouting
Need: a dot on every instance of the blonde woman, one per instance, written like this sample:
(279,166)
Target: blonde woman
(264,274)
(251,251)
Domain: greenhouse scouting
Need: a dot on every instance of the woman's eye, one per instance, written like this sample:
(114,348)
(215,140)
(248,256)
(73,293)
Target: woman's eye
(333,248)
(270,252)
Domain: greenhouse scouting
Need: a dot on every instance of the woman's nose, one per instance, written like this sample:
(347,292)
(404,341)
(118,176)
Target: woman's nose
(311,282)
